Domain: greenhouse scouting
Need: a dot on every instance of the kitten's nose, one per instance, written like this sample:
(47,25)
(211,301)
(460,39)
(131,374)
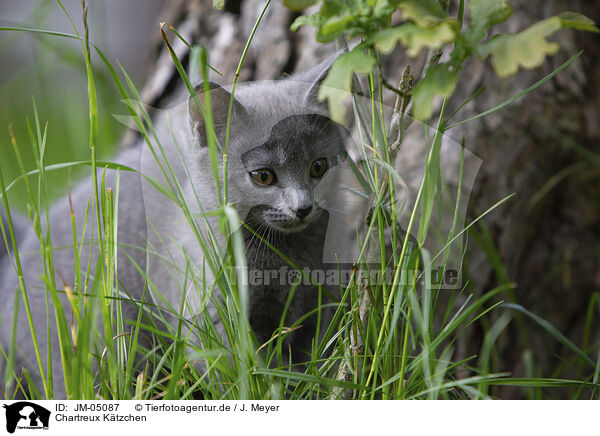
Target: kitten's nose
(302,213)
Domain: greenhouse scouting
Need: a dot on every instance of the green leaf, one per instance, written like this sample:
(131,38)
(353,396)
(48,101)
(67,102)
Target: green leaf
(337,86)
(423,12)
(383,11)
(306,20)
(218,4)
(222,223)
(520,94)
(527,48)
(539,382)
(489,11)
(577,21)
(336,18)
(331,8)
(414,37)
(297,5)
(334,27)
(484,14)
(546,325)
(438,81)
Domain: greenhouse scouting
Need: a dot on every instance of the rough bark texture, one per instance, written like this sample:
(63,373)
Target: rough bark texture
(545,147)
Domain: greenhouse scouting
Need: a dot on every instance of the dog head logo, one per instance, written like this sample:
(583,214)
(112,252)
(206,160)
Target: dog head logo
(26,415)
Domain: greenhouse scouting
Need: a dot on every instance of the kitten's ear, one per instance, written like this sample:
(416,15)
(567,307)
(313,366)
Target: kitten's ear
(316,76)
(219,102)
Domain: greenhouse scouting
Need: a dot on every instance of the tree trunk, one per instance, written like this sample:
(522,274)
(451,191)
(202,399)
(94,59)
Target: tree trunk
(545,147)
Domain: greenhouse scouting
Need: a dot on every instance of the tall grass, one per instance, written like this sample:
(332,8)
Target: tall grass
(393,340)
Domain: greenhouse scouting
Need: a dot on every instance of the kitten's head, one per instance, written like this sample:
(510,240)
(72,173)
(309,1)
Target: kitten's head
(283,149)
(283,178)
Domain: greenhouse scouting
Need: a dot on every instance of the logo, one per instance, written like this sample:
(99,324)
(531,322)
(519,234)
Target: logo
(26,415)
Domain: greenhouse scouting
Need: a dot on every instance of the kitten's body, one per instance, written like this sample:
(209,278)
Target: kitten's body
(265,114)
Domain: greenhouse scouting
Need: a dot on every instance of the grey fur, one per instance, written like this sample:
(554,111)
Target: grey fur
(19,224)
(278,122)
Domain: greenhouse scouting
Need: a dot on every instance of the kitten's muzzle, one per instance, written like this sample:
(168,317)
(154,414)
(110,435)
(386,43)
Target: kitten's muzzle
(303,213)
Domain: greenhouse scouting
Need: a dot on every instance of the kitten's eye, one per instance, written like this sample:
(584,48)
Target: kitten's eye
(263,177)
(318,168)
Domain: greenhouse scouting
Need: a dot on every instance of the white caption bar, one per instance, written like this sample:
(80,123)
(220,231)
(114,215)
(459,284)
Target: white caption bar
(313,418)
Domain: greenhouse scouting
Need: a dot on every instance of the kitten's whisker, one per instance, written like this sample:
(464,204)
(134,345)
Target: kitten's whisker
(254,232)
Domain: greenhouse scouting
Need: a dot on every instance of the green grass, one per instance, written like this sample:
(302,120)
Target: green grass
(390,341)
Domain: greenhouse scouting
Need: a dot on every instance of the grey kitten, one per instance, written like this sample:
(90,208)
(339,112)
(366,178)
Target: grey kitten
(283,160)
(285,175)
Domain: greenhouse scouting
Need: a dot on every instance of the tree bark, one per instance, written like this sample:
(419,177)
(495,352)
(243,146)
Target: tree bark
(545,147)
